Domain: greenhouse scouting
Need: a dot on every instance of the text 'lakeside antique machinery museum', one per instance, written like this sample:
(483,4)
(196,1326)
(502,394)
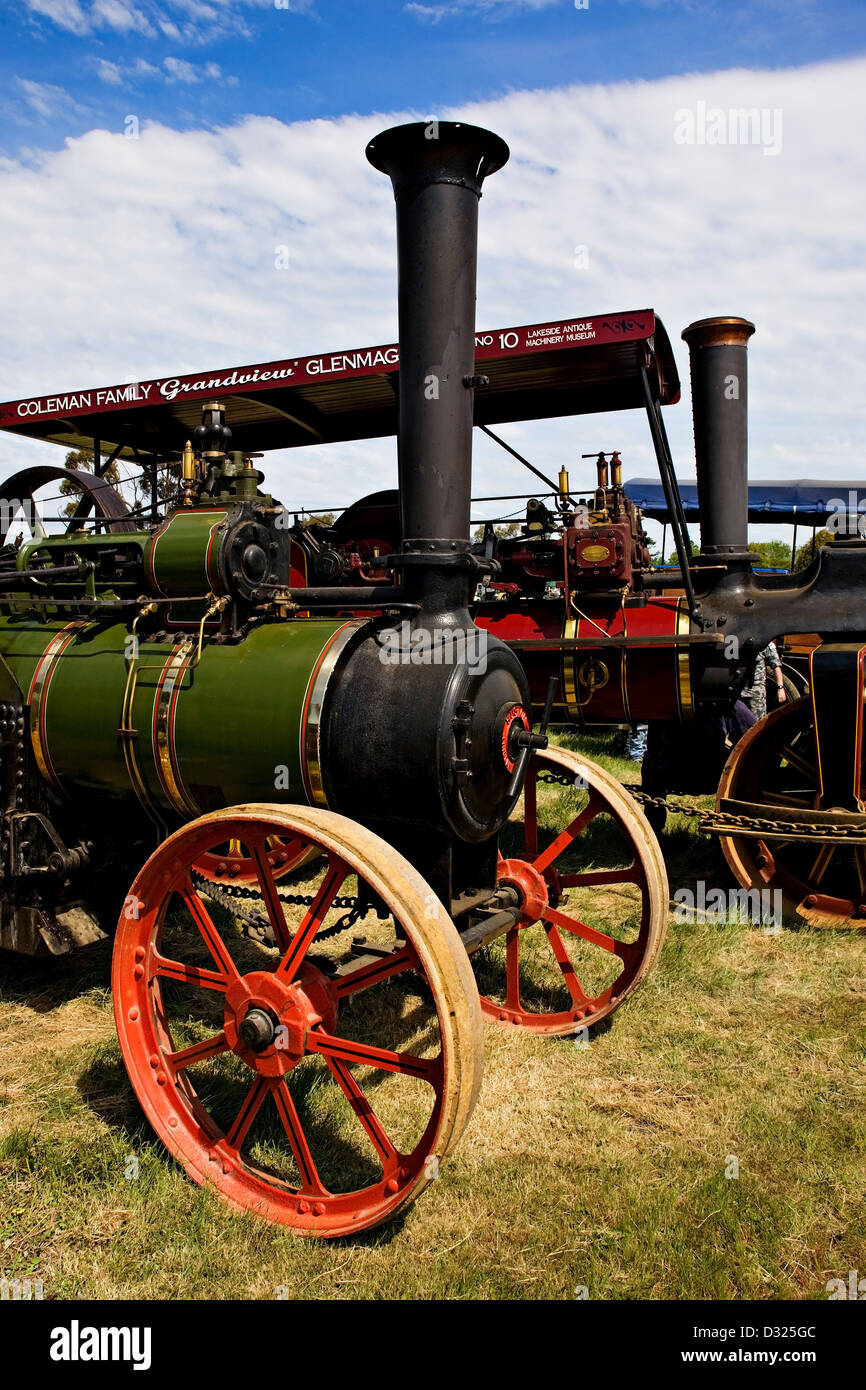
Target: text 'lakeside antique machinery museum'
(331,836)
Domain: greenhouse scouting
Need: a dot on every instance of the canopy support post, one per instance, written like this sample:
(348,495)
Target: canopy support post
(679,531)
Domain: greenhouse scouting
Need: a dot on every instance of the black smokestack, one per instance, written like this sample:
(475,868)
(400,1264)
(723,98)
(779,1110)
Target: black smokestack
(719,365)
(437,169)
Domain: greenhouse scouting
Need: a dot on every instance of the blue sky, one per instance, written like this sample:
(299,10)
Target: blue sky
(126,259)
(70,65)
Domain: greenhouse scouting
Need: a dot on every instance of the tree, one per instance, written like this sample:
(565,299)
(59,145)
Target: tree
(775,555)
(81,461)
(804,556)
(506,530)
(325,519)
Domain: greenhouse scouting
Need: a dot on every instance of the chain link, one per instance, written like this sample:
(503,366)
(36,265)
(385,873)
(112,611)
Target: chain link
(561,779)
(664,803)
(237,899)
(717,822)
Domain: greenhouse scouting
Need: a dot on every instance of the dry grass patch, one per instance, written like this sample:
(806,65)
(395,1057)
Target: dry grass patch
(601,1166)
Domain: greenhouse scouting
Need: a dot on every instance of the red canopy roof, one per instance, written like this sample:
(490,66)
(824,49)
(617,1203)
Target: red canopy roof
(570,367)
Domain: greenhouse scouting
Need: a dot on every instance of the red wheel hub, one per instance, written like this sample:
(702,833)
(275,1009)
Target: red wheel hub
(516,715)
(267,1019)
(530,885)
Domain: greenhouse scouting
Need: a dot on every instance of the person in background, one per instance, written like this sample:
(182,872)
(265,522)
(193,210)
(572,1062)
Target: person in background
(754,694)
(631,743)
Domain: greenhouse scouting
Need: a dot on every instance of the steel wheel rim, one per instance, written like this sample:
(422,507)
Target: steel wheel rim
(555,922)
(162,1073)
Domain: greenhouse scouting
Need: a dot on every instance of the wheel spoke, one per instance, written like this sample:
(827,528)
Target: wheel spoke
(212,938)
(249,1110)
(276,915)
(198,1052)
(530,812)
(821,864)
(512,969)
(310,1180)
(595,877)
(346,1050)
(365,1113)
(623,949)
(779,798)
(367,975)
(796,760)
(315,915)
(567,836)
(564,962)
(188,974)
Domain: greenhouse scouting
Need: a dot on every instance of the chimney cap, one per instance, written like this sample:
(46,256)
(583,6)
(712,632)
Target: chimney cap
(723,331)
(425,152)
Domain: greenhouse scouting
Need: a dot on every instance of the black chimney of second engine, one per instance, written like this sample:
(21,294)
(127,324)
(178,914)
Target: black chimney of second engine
(437,169)
(718,353)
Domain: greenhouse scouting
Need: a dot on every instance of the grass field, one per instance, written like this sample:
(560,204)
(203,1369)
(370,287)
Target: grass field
(600,1168)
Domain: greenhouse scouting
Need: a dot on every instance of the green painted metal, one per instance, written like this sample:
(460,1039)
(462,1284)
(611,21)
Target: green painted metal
(86,544)
(238,721)
(181,560)
(83,547)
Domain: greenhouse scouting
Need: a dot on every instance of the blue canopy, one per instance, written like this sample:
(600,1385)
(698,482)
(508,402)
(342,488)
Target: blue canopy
(803,500)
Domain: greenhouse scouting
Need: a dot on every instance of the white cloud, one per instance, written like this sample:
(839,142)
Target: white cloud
(120,16)
(179,70)
(432,14)
(175,271)
(66,14)
(109,72)
(191,21)
(173,70)
(45,99)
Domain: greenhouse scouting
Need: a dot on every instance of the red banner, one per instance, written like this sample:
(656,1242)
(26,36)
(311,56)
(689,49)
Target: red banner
(305,371)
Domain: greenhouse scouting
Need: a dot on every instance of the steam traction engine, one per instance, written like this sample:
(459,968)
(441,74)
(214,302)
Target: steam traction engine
(575,596)
(791,808)
(180,695)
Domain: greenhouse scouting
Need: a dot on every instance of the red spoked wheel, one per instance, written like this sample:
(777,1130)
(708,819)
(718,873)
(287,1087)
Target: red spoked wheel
(775,767)
(591,881)
(318,1083)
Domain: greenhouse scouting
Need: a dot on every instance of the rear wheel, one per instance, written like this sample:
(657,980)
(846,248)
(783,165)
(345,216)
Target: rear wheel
(775,766)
